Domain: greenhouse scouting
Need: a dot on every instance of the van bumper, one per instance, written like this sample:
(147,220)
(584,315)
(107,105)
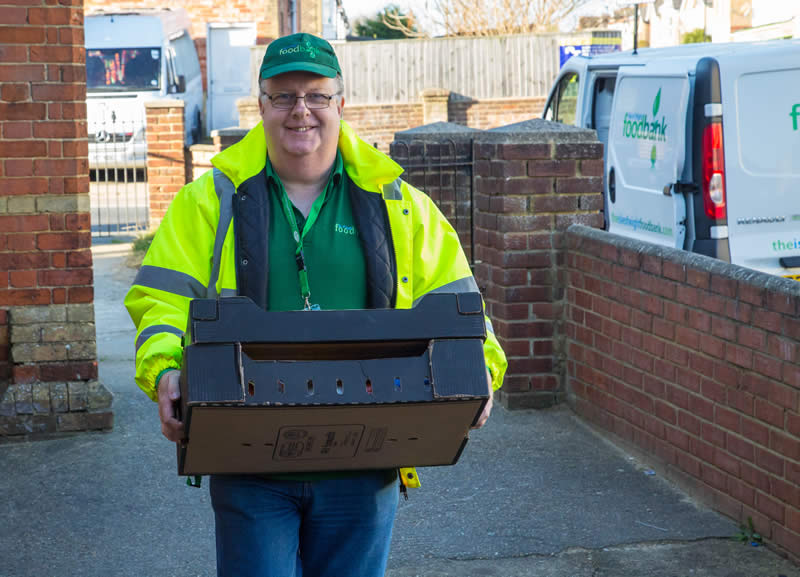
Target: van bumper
(713,247)
(117,155)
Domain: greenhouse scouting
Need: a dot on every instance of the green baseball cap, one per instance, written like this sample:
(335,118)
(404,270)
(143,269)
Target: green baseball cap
(302,51)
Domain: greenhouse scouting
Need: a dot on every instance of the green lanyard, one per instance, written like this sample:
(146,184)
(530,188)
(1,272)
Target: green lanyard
(299,257)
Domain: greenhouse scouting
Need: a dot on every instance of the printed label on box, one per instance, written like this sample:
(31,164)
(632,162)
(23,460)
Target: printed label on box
(318,442)
(375,438)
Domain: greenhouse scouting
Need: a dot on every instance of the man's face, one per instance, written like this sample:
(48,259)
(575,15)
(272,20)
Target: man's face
(300,131)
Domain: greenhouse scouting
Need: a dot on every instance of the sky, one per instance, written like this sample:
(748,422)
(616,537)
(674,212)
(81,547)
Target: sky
(358,8)
(768,10)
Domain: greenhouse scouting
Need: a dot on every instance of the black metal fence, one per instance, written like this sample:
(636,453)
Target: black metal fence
(444,171)
(117,172)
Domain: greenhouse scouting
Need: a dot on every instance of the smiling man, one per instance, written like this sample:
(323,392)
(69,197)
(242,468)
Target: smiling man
(300,214)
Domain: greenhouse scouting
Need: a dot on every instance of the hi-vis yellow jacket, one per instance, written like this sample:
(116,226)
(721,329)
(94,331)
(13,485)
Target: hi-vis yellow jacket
(194,253)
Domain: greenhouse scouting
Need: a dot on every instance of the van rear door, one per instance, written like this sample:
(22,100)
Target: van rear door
(761,131)
(646,153)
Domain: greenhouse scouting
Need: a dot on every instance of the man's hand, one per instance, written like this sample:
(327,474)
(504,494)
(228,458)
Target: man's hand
(169,393)
(487,410)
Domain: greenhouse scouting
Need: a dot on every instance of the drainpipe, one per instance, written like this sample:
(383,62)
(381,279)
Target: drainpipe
(293,16)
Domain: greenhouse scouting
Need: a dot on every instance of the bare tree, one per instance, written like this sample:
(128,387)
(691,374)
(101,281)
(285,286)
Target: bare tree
(405,23)
(491,18)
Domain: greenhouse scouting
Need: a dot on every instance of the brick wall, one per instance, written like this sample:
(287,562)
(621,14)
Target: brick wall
(531,181)
(374,123)
(202,57)
(47,338)
(695,363)
(168,162)
(489,113)
(200,158)
(378,123)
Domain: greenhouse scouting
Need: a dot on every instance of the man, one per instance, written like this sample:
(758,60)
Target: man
(299,189)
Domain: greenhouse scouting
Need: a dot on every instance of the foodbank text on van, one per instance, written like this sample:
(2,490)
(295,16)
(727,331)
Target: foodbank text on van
(637,126)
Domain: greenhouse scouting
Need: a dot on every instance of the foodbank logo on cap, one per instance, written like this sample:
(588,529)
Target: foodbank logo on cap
(298,49)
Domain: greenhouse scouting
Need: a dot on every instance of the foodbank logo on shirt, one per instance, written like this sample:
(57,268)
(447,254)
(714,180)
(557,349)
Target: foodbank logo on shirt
(345,229)
(638,126)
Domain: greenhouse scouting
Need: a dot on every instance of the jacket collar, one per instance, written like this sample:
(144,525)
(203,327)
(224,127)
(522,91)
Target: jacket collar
(368,167)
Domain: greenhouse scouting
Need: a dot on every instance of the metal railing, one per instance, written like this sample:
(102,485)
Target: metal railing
(117,173)
(444,171)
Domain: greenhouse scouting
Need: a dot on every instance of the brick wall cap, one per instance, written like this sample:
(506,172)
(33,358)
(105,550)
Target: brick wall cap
(231,131)
(714,266)
(436,130)
(247,101)
(171,103)
(538,130)
(202,148)
(463,98)
(435,93)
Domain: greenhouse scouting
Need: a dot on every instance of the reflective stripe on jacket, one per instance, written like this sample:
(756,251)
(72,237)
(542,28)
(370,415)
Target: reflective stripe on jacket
(195,253)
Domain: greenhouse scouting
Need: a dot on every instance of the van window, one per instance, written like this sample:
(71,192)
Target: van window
(769,135)
(601,107)
(186,61)
(564,101)
(123,69)
(567,99)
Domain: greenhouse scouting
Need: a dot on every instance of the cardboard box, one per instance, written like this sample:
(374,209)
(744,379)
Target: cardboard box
(285,392)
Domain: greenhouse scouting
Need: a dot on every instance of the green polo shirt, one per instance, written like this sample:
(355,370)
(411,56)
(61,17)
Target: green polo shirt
(333,254)
(334,259)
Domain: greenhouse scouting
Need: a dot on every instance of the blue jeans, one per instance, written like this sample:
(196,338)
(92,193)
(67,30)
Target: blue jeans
(329,528)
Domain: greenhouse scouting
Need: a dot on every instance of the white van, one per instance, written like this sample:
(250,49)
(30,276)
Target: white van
(701,144)
(132,57)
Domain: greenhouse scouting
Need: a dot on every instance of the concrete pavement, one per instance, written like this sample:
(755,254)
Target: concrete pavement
(535,494)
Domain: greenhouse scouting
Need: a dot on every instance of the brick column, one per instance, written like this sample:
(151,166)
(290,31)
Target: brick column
(166,155)
(48,365)
(530,181)
(249,115)
(533,180)
(434,105)
(200,155)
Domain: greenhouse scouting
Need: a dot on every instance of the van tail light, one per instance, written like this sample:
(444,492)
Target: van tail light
(714,172)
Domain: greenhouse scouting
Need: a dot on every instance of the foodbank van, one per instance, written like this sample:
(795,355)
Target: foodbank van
(133,57)
(701,145)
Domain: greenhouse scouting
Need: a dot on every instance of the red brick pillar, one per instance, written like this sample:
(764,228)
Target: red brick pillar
(533,180)
(48,356)
(166,155)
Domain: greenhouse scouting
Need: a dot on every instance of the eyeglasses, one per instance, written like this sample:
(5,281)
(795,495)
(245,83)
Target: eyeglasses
(287,101)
